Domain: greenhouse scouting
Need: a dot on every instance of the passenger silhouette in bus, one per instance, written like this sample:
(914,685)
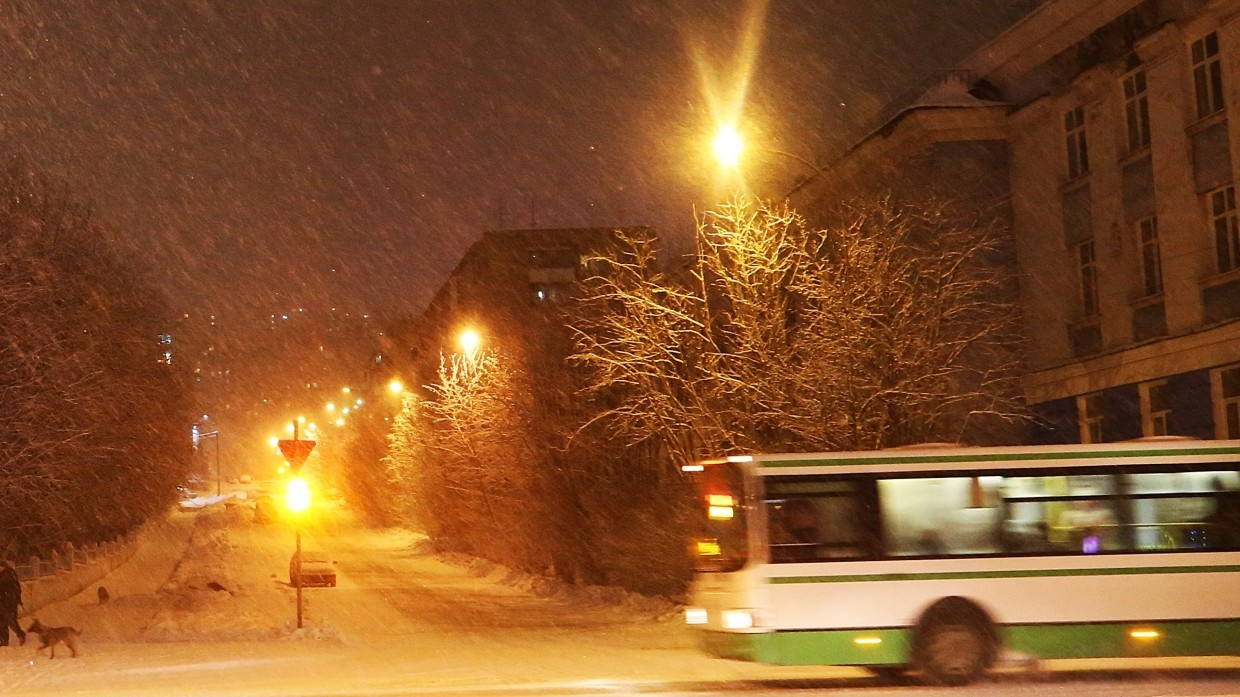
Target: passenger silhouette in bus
(1223,525)
(795,535)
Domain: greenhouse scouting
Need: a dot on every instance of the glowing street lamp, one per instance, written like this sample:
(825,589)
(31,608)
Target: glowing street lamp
(728,146)
(396,386)
(297,495)
(469,340)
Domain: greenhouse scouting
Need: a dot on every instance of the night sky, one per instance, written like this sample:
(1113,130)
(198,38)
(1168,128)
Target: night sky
(259,155)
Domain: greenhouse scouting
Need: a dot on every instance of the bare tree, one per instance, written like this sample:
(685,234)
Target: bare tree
(888,325)
(92,436)
(465,455)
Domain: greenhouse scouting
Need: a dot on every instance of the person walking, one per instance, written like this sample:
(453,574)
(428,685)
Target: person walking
(10,599)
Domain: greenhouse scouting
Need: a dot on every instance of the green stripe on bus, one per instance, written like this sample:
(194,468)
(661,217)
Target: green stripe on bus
(828,461)
(1021,573)
(858,647)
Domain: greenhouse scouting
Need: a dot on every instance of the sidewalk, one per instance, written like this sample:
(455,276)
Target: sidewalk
(132,586)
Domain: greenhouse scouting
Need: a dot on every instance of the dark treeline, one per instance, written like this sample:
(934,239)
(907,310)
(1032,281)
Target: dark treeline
(93,424)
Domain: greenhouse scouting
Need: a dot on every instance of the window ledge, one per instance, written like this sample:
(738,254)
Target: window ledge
(1205,122)
(1141,153)
(1145,301)
(1087,321)
(1220,279)
(1077,182)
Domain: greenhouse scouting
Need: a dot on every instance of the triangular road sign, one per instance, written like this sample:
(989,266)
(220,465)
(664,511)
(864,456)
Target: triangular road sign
(296,451)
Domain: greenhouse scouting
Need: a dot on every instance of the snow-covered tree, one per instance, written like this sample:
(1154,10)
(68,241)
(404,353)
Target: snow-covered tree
(889,324)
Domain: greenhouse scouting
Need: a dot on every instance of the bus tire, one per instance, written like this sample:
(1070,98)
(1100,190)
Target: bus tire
(954,642)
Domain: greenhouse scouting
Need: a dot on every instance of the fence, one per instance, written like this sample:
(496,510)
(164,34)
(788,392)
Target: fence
(71,569)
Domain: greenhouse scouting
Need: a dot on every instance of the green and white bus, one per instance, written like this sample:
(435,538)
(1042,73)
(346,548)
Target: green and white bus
(939,557)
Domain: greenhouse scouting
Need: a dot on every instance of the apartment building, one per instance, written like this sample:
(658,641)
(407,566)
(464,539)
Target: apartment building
(1100,129)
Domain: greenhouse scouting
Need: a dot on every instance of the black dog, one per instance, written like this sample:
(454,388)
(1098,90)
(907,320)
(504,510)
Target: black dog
(103,595)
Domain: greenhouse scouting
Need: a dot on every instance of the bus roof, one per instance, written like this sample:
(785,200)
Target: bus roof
(939,456)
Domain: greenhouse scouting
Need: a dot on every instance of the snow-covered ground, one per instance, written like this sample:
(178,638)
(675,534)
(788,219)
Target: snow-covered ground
(401,620)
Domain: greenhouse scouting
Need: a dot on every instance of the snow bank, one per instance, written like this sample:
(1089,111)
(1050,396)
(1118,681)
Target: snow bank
(651,607)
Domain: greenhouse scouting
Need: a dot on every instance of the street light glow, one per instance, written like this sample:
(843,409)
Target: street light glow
(298,495)
(728,146)
(469,341)
(395,386)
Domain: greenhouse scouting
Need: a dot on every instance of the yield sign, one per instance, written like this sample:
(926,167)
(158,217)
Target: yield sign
(296,451)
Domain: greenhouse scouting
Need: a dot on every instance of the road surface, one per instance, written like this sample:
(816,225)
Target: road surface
(402,621)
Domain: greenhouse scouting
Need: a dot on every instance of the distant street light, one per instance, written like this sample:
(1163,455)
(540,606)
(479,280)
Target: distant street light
(396,386)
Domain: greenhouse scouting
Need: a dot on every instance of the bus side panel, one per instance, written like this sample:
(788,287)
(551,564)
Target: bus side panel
(1085,607)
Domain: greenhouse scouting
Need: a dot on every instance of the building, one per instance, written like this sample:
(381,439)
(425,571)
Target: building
(1100,128)
(508,288)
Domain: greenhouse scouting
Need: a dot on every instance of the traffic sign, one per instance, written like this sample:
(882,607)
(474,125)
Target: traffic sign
(296,451)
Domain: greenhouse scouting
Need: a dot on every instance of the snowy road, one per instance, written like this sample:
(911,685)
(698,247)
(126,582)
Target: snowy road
(400,622)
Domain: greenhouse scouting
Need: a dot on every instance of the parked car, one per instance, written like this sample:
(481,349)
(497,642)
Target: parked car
(316,569)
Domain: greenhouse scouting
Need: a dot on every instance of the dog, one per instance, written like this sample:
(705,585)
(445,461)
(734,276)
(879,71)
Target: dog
(50,636)
(104,596)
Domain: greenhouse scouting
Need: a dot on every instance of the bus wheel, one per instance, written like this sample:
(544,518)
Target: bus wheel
(954,642)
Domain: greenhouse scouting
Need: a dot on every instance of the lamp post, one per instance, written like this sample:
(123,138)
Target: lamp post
(216,435)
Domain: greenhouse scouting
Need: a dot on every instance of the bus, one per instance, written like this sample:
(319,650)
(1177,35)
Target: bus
(940,558)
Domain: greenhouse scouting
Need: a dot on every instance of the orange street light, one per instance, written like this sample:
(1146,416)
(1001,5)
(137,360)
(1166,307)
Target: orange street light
(469,341)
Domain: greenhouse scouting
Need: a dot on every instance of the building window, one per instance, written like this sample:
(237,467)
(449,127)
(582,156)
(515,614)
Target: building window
(1089,411)
(1151,256)
(1087,272)
(1228,390)
(1207,75)
(1222,204)
(1137,111)
(1155,408)
(1078,148)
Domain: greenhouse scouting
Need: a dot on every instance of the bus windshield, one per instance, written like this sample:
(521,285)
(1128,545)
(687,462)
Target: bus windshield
(721,541)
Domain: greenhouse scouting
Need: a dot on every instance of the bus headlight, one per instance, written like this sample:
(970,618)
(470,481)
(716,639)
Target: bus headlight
(695,615)
(737,619)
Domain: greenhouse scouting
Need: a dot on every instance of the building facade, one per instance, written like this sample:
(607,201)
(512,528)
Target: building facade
(1107,122)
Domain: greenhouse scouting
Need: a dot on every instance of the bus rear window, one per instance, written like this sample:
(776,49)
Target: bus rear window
(720,543)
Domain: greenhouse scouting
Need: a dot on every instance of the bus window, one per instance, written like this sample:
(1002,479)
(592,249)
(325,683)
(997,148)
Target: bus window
(940,515)
(721,541)
(1182,510)
(812,519)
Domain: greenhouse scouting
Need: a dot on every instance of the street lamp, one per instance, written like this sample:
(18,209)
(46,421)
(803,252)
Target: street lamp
(728,146)
(469,340)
